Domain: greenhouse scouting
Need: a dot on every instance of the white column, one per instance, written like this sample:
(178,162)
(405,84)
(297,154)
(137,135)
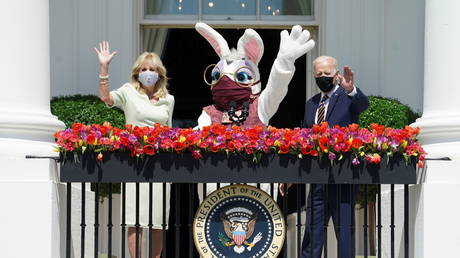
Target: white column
(29,220)
(25,71)
(440,123)
(435,208)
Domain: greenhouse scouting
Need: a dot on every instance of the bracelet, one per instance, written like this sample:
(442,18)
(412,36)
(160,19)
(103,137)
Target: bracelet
(103,77)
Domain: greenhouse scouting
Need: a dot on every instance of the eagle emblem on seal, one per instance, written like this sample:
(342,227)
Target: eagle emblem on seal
(239,224)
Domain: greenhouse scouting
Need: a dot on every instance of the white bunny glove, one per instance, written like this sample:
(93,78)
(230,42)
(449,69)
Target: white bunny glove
(293,46)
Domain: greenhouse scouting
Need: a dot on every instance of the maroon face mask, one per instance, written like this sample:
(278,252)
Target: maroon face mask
(227,90)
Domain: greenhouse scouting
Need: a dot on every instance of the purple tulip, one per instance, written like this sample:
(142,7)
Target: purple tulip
(355,162)
(332,156)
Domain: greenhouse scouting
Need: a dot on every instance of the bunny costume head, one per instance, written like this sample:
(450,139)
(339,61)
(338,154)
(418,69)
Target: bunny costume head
(235,79)
(236,76)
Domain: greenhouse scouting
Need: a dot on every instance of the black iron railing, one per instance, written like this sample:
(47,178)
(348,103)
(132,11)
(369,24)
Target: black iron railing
(220,168)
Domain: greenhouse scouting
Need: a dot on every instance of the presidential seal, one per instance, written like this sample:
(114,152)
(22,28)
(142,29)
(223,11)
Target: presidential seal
(239,221)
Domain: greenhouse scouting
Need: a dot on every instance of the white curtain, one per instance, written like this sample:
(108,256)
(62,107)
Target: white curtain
(154,6)
(154,40)
(305,7)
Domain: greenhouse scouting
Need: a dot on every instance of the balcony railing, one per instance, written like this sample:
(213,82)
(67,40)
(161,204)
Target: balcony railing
(220,168)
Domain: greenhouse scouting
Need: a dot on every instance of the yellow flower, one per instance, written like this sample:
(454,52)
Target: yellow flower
(362,153)
(80,142)
(277,143)
(145,138)
(384,146)
(182,138)
(404,144)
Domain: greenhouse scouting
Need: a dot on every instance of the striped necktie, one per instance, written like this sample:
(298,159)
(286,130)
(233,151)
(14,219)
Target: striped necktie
(322,109)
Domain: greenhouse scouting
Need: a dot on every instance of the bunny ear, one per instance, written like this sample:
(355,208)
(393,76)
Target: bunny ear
(251,46)
(214,38)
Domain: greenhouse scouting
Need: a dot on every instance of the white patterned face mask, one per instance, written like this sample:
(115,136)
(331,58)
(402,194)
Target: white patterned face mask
(148,78)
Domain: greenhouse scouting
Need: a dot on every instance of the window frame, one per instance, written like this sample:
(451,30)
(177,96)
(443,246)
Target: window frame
(231,20)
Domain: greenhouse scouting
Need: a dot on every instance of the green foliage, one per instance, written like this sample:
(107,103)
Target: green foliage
(104,189)
(390,113)
(88,109)
(387,112)
(222,239)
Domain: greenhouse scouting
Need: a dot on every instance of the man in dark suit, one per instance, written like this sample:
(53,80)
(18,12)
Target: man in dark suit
(339,103)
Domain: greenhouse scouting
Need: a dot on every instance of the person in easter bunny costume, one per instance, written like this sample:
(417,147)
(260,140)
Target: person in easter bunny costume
(236,89)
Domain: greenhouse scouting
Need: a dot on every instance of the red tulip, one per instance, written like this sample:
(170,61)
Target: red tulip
(148,150)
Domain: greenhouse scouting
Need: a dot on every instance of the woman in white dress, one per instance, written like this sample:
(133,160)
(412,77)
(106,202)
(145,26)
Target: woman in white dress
(145,101)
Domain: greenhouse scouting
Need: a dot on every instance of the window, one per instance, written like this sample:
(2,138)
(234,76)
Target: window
(229,11)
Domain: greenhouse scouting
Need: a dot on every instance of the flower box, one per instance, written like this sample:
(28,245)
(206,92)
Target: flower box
(220,167)
(321,154)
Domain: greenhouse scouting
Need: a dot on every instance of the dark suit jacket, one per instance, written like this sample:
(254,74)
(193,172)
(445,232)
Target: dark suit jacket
(342,109)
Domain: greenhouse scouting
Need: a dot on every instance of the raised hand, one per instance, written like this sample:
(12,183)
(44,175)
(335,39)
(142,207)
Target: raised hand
(296,44)
(103,53)
(348,79)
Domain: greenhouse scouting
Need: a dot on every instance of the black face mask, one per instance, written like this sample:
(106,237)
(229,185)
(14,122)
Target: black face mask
(325,84)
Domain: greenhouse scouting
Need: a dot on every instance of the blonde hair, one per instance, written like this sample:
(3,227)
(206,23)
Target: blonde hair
(160,88)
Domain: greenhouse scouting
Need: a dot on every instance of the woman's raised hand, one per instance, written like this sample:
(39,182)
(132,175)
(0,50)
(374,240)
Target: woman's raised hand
(103,53)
